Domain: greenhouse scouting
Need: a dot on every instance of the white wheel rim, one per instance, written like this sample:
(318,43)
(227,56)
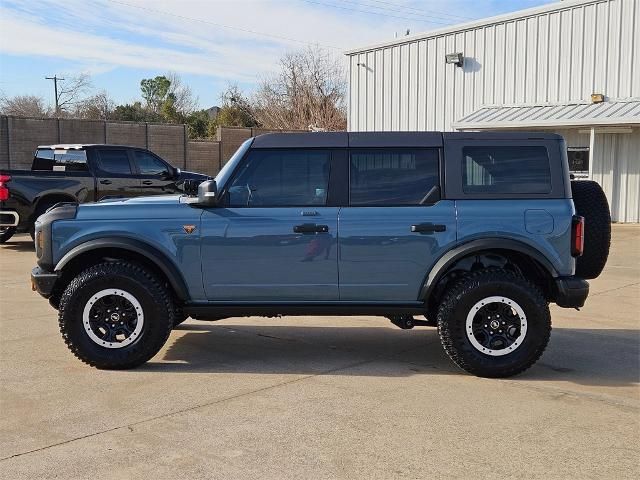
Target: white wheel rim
(509,348)
(86,320)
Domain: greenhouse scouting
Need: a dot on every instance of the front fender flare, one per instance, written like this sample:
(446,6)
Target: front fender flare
(150,253)
(479,245)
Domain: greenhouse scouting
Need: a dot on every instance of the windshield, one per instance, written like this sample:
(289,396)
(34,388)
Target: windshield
(227,170)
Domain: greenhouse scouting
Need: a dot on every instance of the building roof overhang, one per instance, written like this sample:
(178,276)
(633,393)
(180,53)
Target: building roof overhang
(618,112)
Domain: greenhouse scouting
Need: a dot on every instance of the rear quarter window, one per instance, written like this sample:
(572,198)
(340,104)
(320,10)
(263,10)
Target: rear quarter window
(506,170)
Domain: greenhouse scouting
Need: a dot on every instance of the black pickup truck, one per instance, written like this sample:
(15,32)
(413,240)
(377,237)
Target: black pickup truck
(83,173)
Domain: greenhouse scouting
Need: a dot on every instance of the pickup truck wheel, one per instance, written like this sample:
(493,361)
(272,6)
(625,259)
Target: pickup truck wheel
(6,233)
(494,323)
(115,315)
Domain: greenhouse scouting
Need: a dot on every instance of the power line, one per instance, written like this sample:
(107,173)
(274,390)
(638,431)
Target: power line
(220,25)
(428,12)
(418,16)
(384,14)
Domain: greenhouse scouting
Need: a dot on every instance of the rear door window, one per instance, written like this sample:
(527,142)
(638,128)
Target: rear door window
(392,177)
(115,161)
(60,160)
(506,170)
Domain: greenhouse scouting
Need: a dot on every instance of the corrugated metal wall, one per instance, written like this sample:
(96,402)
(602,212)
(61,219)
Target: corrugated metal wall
(616,166)
(562,54)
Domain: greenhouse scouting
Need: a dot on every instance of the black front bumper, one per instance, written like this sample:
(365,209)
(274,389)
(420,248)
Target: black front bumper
(43,281)
(571,292)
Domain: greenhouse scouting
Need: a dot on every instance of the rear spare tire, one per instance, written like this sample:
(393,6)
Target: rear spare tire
(591,203)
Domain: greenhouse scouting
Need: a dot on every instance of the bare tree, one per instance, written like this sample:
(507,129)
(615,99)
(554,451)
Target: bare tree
(96,107)
(309,92)
(72,90)
(24,106)
(183,100)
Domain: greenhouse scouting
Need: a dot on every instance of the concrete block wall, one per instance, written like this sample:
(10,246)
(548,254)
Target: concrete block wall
(169,142)
(203,157)
(24,135)
(231,138)
(121,133)
(20,136)
(4,142)
(81,131)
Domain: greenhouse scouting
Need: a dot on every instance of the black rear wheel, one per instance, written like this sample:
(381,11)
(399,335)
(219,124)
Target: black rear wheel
(494,323)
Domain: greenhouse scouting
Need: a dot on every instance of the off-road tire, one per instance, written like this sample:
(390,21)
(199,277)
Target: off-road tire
(156,304)
(591,203)
(179,316)
(459,300)
(6,233)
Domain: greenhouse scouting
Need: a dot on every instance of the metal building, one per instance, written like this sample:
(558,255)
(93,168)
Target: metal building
(571,67)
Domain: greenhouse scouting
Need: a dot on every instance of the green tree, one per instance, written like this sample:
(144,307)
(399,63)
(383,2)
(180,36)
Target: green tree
(135,112)
(198,124)
(154,91)
(236,110)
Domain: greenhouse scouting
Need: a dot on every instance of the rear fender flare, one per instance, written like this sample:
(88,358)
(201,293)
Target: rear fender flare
(484,244)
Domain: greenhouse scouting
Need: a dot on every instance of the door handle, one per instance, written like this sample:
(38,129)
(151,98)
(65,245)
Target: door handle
(147,182)
(310,228)
(427,228)
(105,182)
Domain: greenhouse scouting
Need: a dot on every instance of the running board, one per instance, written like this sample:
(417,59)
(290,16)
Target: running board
(214,311)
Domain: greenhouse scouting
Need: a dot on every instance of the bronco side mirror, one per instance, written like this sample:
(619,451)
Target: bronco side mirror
(208,193)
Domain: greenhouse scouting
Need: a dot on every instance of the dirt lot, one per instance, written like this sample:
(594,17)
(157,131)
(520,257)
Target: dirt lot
(322,397)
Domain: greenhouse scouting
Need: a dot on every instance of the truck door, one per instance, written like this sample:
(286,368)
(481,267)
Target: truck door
(396,225)
(115,174)
(274,238)
(156,176)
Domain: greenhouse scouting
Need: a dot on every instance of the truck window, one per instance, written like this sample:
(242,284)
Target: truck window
(508,170)
(115,161)
(60,160)
(392,177)
(149,164)
(282,178)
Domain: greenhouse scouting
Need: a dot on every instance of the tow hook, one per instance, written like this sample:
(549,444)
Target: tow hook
(407,322)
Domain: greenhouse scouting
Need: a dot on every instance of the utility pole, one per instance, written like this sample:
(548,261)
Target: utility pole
(55,79)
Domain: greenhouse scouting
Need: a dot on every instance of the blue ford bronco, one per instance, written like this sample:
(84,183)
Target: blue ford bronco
(475,232)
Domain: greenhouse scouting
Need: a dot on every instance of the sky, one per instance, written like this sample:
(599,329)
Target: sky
(211,44)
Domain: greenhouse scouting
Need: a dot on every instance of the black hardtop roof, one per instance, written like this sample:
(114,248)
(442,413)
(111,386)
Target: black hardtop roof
(81,146)
(384,139)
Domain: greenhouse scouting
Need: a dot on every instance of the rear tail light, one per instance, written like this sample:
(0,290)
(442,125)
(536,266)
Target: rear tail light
(4,191)
(577,236)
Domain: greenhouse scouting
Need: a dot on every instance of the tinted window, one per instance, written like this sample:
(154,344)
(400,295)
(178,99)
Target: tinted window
(279,178)
(115,161)
(60,160)
(392,177)
(149,164)
(507,170)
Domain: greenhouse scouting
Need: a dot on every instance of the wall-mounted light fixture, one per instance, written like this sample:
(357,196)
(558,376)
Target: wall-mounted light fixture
(597,98)
(456,58)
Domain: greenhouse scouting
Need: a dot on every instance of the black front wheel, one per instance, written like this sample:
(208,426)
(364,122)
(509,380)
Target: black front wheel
(115,315)
(494,323)
(6,233)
